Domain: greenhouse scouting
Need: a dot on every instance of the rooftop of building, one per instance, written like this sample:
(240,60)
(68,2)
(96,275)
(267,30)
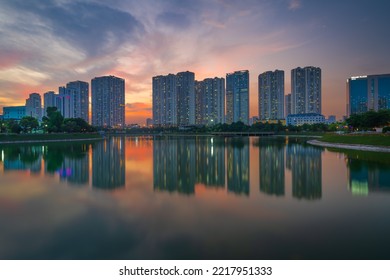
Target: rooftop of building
(304,115)
(14,107)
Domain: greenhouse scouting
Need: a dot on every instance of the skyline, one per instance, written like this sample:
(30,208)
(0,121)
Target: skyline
(64,41)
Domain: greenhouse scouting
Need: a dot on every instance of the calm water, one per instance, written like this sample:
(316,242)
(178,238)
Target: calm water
(193,198)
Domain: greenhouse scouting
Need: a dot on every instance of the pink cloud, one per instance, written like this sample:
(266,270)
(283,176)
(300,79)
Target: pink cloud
(10,58)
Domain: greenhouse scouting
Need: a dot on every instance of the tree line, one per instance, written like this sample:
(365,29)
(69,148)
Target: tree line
(53,122)
(369,120)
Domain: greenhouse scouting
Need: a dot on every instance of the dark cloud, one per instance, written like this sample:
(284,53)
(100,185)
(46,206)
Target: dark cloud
(91,27)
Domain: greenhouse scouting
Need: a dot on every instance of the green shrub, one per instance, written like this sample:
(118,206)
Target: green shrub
(386,129)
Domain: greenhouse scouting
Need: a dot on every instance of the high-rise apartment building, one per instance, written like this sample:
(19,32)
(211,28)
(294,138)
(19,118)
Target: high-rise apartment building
(210,101)
(199,102)
(185,84)
(174,99)
(34,106)
(287,105)
(306,90)
(237,97)
(370,92)
(49,100)
(164,100)
(73,100)
(271,95)
(79,92)
(108,101)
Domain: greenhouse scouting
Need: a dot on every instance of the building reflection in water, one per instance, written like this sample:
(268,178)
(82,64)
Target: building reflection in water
(108,163)
(367,176)
(174,164)
(210,161)
(70,161)
(75,166)
(22,158)
(181,163)
(237,150)
(271,156)
(306,168)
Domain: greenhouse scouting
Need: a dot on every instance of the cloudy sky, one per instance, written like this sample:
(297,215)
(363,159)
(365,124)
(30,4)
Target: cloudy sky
(46,43)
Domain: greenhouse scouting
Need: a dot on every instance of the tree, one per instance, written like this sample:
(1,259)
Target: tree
(72,125)
(54,120)
(28,124)
(369,120)
(2,126)
(12,126)
(238,127)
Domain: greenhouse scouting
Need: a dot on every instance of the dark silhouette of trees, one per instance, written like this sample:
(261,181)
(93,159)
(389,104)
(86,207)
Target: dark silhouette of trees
(28,124)
(369,120)
(54,120)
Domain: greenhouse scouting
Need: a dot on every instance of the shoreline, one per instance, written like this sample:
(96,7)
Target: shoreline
(48,141)
(369,148)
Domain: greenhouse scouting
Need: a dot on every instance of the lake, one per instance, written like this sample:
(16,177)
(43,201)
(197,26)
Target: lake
(193,198)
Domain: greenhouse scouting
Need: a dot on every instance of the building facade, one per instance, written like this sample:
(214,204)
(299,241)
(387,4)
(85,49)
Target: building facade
(306,90)
(237,97)
(271,95)
(185,84)
(164,100)
(300,119)
(287,105)
(149,122)
(34,106)
(79,92)
(73,100)
(14,112)
(199,102)
(370,92)
(210,101)
(108,102)
(49,100)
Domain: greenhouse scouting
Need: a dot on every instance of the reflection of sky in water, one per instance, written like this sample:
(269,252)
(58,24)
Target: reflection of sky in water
(192,198)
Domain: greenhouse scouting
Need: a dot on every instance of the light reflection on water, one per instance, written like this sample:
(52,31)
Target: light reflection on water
(192,198)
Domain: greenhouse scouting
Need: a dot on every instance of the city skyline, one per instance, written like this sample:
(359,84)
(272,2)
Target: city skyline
(138,41)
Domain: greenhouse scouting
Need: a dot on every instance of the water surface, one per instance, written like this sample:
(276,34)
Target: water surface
(193,198)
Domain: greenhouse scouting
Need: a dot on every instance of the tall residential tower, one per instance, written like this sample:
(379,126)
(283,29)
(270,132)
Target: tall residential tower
(108,101)
(237,97)
(164,100)
(210,101)
(49,100)
(34,106)
(73,100)
(271,95)
(185,84)
(306,90)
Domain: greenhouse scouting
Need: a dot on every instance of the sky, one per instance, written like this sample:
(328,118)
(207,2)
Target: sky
(45,44)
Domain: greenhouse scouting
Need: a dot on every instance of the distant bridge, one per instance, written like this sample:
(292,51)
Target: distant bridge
(245,133)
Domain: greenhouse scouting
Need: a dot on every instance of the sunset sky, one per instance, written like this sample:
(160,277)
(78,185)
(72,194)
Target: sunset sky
(46,43)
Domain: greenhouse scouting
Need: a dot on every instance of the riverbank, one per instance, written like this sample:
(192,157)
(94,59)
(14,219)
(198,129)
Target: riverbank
(370,139)
(359,147)
(48,138)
